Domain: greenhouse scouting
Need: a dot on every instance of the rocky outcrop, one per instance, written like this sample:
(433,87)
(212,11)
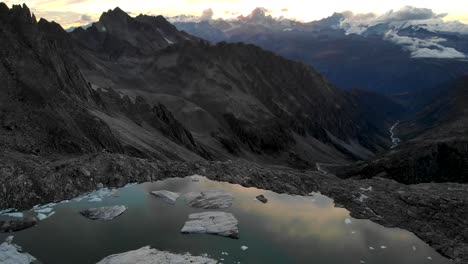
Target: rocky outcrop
(17,224)
(169,197)
(147,255)
(213,199)
(13,254)
(214,223)
(104,213)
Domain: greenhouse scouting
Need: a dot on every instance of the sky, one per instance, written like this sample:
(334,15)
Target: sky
(79,12)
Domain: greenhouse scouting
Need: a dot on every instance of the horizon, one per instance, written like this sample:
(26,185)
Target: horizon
(73,13)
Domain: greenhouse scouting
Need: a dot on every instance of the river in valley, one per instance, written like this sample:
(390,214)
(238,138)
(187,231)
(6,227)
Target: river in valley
(287,229)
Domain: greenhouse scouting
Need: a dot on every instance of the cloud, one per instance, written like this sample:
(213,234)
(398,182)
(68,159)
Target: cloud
(284,10)
(410,13)
(86,18)
(207,14)
(425,48)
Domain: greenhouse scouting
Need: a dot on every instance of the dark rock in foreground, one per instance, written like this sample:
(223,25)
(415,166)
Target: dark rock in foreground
(104,213)
(214,223)
(262,198)
(17,224)
(147,255)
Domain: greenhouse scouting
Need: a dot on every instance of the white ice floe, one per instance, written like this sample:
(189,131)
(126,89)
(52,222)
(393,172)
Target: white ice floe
(362,261)
(13,254)
(215,223)
(212,199)
(5,211)
(414,248)
(104,213)
(95,200)
(147,255)
(43,216)
(44,210)
(15,215)
(383,247)
(347,221)
(167,196)
(244,248)
(429,258)
(371,248)
(224,253)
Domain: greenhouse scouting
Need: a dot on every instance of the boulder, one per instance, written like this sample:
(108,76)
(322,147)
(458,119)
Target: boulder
(17,224)
(13,254)
(214,223)
(262,198)
(147,255)
(104,213)
(170,197)
(214,199)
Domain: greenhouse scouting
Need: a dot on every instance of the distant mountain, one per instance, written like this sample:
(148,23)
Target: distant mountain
(434,144)
(402,59)
(140,87)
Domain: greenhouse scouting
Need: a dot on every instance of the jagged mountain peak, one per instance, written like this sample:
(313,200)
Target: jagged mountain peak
(17,13)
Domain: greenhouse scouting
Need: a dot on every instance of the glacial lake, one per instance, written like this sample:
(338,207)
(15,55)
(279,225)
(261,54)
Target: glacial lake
(287,229)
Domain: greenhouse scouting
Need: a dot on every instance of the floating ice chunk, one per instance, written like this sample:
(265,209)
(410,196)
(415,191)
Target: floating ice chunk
(383,247)
(169,197)
(371,248)
(15,215)
(65,201)
(44,210)
(414,248)
(13,254)
(362,261)
(95,200)
(5,211)
(41,216)
(353,232)
(347,221)
(429,258)
(244,248)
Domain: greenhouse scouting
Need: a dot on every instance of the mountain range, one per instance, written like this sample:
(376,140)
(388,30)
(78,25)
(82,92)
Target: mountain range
(406,54)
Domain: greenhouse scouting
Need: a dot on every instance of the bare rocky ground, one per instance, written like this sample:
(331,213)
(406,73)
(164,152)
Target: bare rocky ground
(437,213)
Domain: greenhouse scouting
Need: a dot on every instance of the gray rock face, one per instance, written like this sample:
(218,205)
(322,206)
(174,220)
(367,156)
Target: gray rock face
(104,213)
(147,255)
(13,254)
(214,223)
(214,199)
(17,224)
(170,197)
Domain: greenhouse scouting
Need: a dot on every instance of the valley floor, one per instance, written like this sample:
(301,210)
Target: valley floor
(437,213)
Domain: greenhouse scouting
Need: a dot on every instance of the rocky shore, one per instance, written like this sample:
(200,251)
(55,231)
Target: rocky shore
(435,212)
